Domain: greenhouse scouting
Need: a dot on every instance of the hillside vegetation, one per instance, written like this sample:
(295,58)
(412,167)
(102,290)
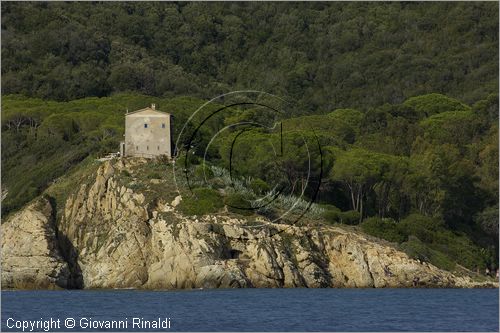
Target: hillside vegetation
(395,103)
(423,173)
(323,55)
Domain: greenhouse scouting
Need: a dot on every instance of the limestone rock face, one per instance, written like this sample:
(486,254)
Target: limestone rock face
(30,254)
(115,238)
(106,225)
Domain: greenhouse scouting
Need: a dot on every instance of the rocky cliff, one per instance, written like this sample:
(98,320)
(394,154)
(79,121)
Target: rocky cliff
(31,257)
(110,236)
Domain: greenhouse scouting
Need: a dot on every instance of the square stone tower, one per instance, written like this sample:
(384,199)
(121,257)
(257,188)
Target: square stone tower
(147,133)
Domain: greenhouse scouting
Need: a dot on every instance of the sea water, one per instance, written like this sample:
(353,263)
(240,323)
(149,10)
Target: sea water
(252,310)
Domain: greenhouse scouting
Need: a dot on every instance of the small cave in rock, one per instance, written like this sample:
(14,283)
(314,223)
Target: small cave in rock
(234,254)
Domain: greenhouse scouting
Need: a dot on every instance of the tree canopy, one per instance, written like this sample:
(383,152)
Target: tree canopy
(323,56)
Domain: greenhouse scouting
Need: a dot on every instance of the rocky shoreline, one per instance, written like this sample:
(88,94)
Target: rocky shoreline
(109,237)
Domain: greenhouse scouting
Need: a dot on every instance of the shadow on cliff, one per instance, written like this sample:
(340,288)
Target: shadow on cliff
(68,252)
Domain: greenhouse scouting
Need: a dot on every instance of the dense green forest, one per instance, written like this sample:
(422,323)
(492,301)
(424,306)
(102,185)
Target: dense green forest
(323,55)
(401,97)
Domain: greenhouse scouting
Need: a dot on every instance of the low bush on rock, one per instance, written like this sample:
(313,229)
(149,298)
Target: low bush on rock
(202,201)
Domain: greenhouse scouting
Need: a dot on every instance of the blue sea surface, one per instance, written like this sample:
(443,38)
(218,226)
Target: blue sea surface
(259,309)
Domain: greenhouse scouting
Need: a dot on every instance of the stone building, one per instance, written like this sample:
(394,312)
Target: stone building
(147,133)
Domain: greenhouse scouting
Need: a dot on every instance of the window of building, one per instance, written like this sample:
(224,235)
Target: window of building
(145,125)
(136,147)
(158,147)
(147,147)
(162,125)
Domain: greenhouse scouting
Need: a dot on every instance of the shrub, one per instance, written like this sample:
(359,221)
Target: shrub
(268,212)
(239,204)
(444,245)
(259,186)
(383,228)
(202,201)
(125,173)
(331,213)
(201,171)
(351,217)
(460,248)
(297,205)
(154,175)
(423,227)
(331,216)
(416,249)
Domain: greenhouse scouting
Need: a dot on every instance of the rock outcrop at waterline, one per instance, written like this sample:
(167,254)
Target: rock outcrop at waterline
(112,238)
(30,254)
